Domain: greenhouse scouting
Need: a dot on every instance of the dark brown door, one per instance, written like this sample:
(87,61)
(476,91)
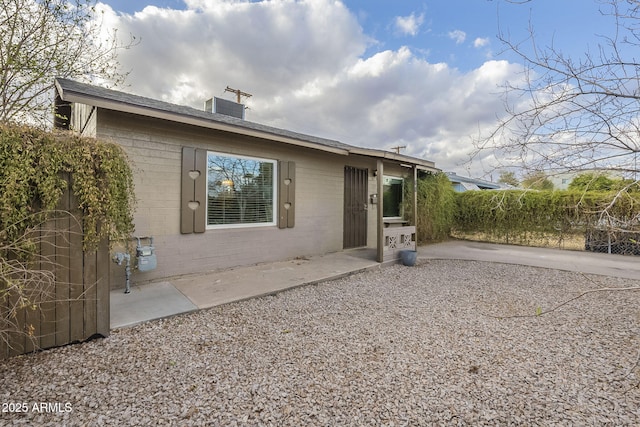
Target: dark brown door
(355,207)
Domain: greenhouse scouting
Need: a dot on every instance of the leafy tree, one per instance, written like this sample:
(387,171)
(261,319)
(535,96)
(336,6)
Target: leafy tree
(592,181)
(44,39)
(509,178)
(537,180)
(601,182)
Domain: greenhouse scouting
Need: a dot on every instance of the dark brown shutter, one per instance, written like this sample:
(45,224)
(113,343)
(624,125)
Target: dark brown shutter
(286,194)
(194,190)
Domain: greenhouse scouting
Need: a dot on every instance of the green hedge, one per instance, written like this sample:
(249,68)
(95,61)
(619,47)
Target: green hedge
(35,169)
(518,215)
(436,207)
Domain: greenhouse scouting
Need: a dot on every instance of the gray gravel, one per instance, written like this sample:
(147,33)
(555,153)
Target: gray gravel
(432,344)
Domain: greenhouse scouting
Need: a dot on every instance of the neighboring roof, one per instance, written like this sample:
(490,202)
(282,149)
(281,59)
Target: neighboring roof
(72,91)
(472,183)
(468,186)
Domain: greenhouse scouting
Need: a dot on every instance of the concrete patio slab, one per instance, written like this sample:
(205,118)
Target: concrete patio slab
(198,291)
(147,302)
(221,287)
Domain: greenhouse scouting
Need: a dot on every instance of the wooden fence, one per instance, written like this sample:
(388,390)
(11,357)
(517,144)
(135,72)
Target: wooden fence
(70,299)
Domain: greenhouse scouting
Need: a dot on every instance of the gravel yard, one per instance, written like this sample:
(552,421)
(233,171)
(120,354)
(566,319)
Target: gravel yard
(433,344)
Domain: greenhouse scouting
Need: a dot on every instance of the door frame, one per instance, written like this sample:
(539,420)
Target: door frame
(356,206)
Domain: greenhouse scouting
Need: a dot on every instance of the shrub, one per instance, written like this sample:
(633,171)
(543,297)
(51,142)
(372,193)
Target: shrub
(519,216)
(33,167)
(436,207)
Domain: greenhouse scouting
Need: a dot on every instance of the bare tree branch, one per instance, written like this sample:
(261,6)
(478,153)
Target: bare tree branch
(573,114)
(44,39)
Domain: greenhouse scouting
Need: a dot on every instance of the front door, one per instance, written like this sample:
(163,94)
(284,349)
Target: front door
(355,207)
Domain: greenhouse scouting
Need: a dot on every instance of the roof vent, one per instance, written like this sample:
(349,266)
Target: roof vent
(224,106)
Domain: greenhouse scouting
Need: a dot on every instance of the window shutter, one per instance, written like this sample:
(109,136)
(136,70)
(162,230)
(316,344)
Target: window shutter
(286,194)
(194,190)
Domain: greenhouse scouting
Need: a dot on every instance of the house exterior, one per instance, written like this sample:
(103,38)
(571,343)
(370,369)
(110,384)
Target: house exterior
(216,191)
(561,180)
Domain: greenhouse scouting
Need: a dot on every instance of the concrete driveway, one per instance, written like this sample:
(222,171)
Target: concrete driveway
(586,262)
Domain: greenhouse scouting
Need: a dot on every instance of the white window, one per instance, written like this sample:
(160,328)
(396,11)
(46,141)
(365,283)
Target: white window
(393,190)
(241,191)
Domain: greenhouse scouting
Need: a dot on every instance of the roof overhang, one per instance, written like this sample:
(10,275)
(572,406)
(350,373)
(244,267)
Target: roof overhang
(99,102)
(68,94)
(399,158)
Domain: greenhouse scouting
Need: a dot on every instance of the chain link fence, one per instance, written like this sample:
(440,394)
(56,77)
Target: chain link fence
(620,242)
(613,241)
(605,222)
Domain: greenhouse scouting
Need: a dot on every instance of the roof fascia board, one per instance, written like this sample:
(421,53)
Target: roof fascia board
(382,154)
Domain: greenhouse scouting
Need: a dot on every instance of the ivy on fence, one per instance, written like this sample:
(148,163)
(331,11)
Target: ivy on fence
(33,164)
(518,216)
(40,172)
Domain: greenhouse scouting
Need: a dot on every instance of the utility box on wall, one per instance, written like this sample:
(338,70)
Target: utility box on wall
(146,255)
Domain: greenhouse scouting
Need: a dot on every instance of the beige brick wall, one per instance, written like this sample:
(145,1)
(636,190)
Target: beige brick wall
(154,147)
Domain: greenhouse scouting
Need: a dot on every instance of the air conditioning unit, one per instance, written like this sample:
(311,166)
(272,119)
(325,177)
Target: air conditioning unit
(224,106)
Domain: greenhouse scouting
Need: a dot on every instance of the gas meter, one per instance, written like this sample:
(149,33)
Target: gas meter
(146,255)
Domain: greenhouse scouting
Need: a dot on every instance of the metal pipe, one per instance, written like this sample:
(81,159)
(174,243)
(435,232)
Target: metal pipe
(118,257)
(127,275)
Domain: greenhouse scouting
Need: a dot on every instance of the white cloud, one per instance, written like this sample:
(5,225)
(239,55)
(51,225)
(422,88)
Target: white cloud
(409,25)
(305,64)
(481,42)
(458,36)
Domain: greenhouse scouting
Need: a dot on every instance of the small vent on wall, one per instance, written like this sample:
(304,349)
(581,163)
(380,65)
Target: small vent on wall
(226,107)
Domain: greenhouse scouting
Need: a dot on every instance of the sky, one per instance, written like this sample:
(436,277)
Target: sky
(424,74)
